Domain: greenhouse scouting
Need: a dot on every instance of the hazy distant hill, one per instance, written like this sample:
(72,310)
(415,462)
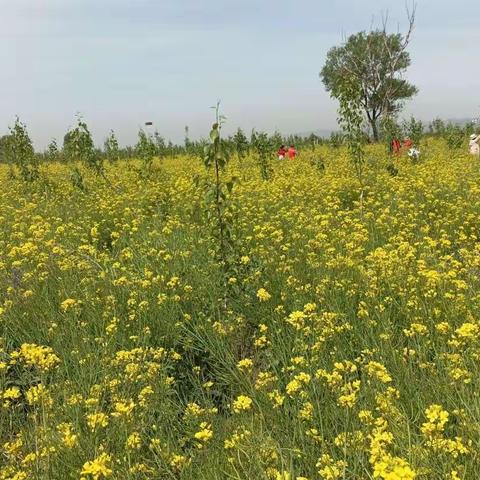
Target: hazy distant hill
(323,133)
(460,121)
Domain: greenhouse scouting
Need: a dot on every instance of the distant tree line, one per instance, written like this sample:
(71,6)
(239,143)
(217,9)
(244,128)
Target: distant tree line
(78,145)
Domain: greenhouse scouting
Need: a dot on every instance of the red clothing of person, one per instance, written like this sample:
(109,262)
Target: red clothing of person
(408,144)
(281,152)
(292,153)
(396,145)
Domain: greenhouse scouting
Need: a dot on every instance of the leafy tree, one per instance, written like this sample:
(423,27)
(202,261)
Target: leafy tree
(78,146)
(4,140)
(336,139)
(413,129)
(240,142)
(19,151)
(277,139)
(264,148)
(350,119)
(145,150)
(111,148)
(454,136)
(52,152)
(217,197)
(374,62)
(437,127)
(470,127)
(66,146)
(159,143)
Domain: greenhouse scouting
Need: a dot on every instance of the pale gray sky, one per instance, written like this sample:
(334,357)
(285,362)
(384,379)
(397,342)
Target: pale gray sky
(123,62)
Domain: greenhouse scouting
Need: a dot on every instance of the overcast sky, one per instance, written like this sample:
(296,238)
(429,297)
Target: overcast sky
(123,62)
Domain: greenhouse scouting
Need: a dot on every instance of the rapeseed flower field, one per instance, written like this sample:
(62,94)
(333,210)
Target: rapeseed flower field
(350,348)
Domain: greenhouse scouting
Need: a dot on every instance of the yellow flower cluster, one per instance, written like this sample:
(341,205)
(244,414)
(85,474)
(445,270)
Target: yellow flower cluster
(433,430)
(242,403)
(35,355)
(97,469)
(263,295)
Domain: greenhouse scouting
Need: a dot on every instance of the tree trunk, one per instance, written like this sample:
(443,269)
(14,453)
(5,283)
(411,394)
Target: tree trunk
(373,124)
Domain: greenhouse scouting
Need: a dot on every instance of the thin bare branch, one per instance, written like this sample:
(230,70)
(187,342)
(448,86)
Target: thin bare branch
(394,58)
(384,21)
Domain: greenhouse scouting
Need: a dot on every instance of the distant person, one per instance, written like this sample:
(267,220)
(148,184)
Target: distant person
(407,143)
(291,152)
(396,146)
(282,151)
(414,153)
(474,144)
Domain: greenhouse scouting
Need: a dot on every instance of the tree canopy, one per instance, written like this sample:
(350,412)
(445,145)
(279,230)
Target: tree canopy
(374,64)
